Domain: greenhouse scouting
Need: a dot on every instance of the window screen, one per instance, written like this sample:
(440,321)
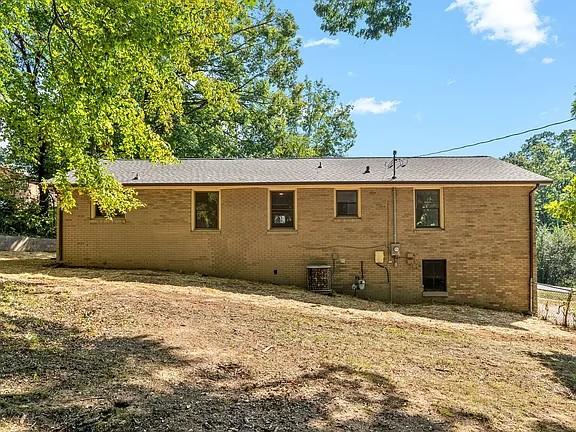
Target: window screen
(434,275)
(428,208)
(206,210)
(346,203)
(282,209)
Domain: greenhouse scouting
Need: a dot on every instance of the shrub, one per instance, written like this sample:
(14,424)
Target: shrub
(20,214)
(556,255)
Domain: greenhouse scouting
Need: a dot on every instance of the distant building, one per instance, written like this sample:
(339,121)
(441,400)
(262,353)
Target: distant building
(19,185)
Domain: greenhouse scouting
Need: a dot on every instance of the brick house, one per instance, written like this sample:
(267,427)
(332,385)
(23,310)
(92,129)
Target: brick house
(455,229)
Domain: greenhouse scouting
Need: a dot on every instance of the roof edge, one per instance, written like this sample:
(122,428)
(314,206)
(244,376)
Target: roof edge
(384,183)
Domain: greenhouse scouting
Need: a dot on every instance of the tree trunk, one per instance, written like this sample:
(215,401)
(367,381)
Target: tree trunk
(41,175)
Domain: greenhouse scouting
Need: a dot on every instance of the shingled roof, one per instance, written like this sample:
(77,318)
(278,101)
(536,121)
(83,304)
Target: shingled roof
(368,170)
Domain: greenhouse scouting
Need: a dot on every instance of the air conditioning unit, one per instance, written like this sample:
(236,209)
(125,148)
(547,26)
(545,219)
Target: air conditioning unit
(319,278)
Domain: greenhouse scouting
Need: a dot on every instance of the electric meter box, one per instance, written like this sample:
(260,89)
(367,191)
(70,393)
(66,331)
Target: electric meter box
(395,249)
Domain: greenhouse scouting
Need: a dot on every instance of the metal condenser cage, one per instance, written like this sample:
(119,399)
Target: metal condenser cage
(319,278)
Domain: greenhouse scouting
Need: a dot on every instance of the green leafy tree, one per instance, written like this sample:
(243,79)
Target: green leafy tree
(368,19)
(86,80)
(278,115)
(79,80)
(261,53)
(547,154)
(564,207)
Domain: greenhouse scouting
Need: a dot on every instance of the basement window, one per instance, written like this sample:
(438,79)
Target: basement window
(347,203)
(428,208)
(282,209)
(207,210)
(434,275)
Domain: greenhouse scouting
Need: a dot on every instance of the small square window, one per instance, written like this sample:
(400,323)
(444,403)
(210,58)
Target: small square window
(427,208)
(97,213)
(282,209)
(434,275)
(206,210)
(347,203)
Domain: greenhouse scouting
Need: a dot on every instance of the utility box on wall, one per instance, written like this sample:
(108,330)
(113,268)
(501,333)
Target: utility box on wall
(379,256)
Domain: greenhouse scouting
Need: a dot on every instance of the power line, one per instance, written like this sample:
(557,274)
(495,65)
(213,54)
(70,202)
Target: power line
(497,139)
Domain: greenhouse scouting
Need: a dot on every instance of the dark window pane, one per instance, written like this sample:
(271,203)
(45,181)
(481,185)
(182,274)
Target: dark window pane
(434,275)
(282,209)
(98,213)
(427,208)
(206,210)
(346,203)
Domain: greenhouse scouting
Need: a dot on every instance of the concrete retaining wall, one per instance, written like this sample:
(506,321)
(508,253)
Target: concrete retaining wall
(27,244)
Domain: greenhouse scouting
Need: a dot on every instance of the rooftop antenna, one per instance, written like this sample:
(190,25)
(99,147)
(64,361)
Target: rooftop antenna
(396,163)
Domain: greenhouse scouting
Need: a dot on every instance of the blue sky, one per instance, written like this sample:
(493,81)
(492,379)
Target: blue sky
(460,74)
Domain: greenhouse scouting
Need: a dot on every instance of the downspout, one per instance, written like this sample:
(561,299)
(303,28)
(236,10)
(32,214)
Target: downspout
(59,234)
(388,243)
(394,222)
(531,249)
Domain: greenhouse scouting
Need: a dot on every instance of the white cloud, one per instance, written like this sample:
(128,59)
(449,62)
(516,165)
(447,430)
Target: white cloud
(548,60)
(513,21)
(451,82)
(321,42)
(352,74)
(369,105)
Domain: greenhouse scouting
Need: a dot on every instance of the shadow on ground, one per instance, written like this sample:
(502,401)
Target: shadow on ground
(55,377)
(551,426)
(564,368)
(450,313)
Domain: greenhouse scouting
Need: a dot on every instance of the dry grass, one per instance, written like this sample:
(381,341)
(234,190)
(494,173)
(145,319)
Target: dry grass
(97,350)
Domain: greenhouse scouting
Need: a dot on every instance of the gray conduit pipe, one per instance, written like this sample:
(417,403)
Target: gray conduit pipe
(394,222)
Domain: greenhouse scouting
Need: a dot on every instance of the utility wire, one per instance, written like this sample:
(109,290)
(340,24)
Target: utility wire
(497,139)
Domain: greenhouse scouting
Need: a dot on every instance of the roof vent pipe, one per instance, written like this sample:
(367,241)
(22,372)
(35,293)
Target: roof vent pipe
(367,171)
